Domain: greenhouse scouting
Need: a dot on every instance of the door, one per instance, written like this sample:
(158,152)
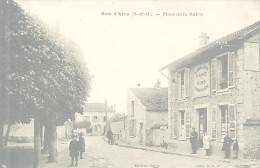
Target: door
(202,112)
(141,133)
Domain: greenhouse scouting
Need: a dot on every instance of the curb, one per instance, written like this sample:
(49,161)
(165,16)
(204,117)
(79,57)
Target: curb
(181,154)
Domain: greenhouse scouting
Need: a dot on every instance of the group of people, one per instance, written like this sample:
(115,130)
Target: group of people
(76,148)
(227,143)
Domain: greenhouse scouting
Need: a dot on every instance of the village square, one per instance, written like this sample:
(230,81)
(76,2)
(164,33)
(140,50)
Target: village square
(82,89)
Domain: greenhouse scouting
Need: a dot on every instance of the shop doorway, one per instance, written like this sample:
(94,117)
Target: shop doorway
(202,115)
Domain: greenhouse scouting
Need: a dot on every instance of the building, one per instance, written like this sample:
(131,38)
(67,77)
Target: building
(216,88)
(118,125)
(146,107)
(98,114)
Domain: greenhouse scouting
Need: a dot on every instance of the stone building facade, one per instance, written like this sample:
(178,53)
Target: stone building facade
(216,88)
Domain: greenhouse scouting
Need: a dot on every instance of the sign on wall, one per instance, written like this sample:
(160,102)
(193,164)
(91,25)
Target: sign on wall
(251,56)
(201,80)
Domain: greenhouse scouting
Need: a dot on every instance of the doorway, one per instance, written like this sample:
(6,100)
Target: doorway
(203,127)
(141,133)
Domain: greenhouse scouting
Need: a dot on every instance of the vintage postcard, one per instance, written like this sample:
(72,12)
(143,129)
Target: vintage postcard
(130,84)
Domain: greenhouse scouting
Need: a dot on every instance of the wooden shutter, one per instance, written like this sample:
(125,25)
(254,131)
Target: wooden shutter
(213,74)
(187,122)
(175,123)
(186,81)
(214,122)
(176,85)
(232,121)
(218,120)
(231,69)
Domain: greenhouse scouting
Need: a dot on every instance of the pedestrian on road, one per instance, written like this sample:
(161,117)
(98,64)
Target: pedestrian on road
(235,149)
(207,143)
(194,140)
(74,151)
(110,137)
(227,145)
(81,144)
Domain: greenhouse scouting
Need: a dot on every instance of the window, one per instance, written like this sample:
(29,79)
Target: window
(182,134)
(223,72)
(227,121)
(95,118)
(182,83)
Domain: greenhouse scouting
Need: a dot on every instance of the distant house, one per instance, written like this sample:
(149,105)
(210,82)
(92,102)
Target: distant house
(118,125)
(98,114)
(146,109)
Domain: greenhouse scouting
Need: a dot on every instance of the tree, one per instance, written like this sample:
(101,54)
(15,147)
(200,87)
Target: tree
(42,76)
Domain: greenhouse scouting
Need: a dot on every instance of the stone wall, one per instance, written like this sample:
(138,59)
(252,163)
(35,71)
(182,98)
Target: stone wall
(252,142)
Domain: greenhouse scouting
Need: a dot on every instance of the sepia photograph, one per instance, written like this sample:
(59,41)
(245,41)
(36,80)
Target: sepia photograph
(129,83)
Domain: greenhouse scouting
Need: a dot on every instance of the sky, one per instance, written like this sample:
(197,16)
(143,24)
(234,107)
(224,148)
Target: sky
(124,51)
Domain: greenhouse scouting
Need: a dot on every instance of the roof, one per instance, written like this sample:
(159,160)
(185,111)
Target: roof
(97,107)
(116,117)
(154,99)
(231,40)
(255,120)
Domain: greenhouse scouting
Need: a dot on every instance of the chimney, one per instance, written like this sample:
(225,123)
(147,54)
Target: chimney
(204,39)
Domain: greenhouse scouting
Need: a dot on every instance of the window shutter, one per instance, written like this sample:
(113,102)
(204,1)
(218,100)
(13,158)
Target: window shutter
(213,74)
(231,69)
(232,121)
(186,81)
(176,85)
(218,120)
(175,128)
(187,124)
(214,122)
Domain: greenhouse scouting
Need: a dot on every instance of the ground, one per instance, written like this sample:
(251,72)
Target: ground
(101,155)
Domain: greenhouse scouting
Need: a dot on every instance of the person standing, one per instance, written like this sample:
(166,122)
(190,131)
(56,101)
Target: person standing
(227,145)
(74,151)
(81,144)
(110,136)
(207,143)
(194,140)
(235,149)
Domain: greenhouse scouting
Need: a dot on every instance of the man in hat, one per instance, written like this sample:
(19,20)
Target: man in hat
(194,140)
(74,151)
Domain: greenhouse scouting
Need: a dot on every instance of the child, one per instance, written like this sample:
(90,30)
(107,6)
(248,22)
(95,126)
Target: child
(74,150)
(235,149)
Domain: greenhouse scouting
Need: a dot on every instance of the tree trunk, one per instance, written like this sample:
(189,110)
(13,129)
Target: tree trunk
(1,139)
(53,141)
(46,138)
(7,134)
(37,141)
(41,134)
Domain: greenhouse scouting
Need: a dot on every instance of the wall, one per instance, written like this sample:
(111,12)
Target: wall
(139,116)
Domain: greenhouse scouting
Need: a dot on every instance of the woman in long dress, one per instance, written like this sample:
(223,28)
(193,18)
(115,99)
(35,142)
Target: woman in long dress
(207,143)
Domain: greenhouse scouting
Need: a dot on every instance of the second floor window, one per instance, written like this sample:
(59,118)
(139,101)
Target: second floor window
(223,72)
(182,83)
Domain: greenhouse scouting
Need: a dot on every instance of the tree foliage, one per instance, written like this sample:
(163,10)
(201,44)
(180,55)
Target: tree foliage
(41,71)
